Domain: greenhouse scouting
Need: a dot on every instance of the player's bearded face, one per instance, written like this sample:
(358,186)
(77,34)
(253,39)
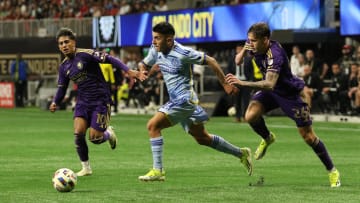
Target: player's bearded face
(66,45)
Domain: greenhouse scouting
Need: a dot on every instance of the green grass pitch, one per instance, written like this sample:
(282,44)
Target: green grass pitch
(35,143)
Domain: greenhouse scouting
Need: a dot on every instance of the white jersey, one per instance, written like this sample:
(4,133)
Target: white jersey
(176,67)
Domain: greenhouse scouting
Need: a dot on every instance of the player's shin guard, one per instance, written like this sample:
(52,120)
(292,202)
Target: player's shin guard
(260,128)
(320,150)
(81,147)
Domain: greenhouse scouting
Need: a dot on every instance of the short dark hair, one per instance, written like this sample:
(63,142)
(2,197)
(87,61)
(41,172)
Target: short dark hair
(65,32)
(164,28)
(260,30)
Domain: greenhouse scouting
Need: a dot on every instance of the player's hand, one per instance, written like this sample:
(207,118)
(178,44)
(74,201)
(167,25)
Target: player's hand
(233,80)
(140,75)
(52,107)
(229,89)
(248,46)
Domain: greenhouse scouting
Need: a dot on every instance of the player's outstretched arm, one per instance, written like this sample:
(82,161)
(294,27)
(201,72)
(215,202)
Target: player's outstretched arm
(214,65)
(267,84)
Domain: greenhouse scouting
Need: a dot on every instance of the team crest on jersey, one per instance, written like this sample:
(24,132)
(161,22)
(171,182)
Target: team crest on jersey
(79,65)
(270,61)
(175,62)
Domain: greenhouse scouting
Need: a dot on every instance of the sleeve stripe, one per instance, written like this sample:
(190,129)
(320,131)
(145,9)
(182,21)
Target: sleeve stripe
(181,51)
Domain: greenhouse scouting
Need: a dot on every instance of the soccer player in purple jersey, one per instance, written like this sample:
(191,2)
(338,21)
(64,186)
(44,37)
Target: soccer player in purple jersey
(279,88)
(92,108)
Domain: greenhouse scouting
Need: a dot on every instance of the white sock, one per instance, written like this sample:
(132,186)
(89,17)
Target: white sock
(157,151)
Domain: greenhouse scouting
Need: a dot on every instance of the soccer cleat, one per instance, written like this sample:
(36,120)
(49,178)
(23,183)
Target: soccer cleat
(153,175)
(84,172)
(112,139)
(334,177)
(264,144)
(245,159)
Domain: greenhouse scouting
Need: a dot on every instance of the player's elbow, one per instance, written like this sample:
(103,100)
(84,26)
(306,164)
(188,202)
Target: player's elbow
(210,60)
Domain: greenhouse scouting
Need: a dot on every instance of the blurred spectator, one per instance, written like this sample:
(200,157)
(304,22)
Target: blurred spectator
(19,70)
(125,8)
(317,65)
(96,10)
(84,10)
(161,6)
(335,94)
(357,55)
(346,59)
(149,6)
(137,7)
(313,85)
(26,9)
(356,110)
(296,67)
(353,86)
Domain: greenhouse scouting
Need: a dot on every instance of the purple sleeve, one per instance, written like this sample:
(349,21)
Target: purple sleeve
(102,57)
(63,83)
(116,63)
(60,94)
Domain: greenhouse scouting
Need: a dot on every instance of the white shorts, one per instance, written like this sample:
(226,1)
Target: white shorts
(185,113)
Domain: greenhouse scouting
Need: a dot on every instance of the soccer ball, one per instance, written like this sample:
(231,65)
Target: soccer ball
(64,180)
(231,111)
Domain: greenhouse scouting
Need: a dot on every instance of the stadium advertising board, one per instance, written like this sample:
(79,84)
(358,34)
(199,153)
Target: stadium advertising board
(222,23)
(41,64)
(7,95)
(350,17)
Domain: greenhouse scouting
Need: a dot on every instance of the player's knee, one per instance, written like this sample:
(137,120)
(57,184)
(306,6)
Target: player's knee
(311,139)
(251,117)
(149,126)
(152,128)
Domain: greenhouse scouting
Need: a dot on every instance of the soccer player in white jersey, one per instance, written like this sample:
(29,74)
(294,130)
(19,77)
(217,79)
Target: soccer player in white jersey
(175,62)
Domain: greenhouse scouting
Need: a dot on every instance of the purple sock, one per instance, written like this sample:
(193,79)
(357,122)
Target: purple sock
(81,147)
(260,128)
(322,153)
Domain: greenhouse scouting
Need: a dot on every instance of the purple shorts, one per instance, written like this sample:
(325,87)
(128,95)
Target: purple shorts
(97,116)
(293,106)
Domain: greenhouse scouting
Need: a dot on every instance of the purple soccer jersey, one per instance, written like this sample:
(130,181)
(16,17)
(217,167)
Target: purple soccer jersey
(276,60)
(94,96)
(84,70)
(286,93)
